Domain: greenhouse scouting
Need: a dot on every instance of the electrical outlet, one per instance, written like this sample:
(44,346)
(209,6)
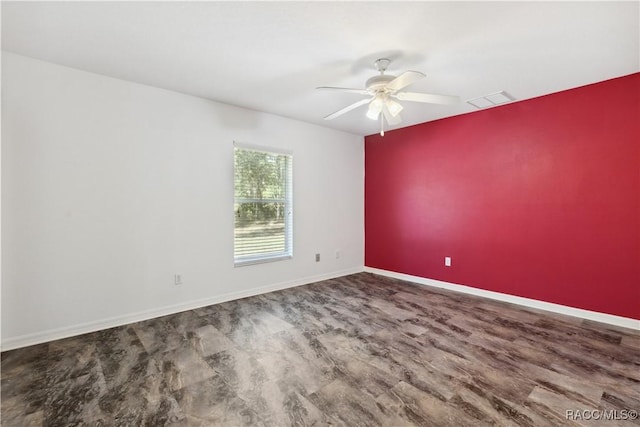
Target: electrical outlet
(447,261)
(177,279)
(317,257)
(338,254)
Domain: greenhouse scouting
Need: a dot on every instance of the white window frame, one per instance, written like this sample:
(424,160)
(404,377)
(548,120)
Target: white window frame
(240,261)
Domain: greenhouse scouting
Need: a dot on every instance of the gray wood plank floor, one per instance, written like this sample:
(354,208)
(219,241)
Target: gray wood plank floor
(360,350)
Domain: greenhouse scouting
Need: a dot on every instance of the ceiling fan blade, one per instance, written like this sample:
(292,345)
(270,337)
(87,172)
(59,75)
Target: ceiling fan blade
(405,79)
(348,108)
(345,89)
(391,120)
(430,98)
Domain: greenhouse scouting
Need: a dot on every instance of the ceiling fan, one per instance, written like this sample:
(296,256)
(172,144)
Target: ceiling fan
(383,90)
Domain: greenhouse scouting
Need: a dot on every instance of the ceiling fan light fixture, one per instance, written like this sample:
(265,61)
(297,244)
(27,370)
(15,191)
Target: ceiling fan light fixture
(393,107)
(375,108)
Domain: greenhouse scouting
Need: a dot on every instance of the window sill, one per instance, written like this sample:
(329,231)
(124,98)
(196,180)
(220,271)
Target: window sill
(260,260)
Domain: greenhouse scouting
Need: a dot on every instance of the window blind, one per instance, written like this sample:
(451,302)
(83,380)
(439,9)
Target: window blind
(263,205)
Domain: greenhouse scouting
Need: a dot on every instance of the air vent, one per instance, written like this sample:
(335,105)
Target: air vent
(491,100)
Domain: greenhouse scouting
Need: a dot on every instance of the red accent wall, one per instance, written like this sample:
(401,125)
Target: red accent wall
(538,198)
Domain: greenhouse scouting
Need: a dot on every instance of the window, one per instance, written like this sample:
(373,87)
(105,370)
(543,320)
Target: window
(263,205)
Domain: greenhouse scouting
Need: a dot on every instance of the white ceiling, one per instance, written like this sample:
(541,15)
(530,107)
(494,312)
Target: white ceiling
(269,56)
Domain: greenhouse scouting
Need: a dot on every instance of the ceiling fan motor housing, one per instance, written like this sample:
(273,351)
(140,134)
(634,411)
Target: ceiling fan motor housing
(377,83)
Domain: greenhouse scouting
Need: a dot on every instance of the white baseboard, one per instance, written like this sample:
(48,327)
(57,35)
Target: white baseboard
(59,333)
(610,319)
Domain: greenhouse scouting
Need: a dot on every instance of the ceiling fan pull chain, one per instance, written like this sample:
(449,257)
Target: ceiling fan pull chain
(381,125)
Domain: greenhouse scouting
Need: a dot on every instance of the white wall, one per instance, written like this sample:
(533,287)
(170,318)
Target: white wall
(109,188)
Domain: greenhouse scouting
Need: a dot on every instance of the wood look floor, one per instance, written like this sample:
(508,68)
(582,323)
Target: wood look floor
(361,350)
